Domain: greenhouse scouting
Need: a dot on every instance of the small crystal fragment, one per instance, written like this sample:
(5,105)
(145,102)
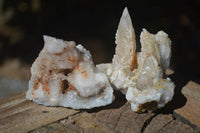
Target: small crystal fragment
(65,75)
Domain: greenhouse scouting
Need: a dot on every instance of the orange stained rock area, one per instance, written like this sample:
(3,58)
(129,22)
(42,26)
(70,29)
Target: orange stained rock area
(57,54)
(133,64)
(136,58)
(72,60)
(70,88)
(36,85)
(61,60)
(44,80)
(78,68)
(45,86)
(84,74)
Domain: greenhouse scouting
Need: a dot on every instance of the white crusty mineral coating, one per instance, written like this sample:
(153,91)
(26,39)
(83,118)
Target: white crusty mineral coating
(152,62)
(64,75)
(150,86)
(161,92)
(140,75)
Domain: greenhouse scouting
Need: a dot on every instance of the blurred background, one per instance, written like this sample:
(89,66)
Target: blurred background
(93,24)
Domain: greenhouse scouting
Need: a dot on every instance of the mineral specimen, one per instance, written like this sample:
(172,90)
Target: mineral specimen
(140,75)
(65,75)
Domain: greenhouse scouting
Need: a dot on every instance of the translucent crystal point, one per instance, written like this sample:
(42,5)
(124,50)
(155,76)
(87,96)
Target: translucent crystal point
(125,40)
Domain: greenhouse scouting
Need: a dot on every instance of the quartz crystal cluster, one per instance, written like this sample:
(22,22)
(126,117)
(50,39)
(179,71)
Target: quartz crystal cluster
(140,75)
(65,75)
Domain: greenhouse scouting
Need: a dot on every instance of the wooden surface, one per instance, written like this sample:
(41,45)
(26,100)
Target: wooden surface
(117,120)
(191,110)
(20,115)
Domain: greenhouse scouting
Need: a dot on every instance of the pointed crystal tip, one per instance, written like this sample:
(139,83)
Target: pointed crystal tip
(125,11)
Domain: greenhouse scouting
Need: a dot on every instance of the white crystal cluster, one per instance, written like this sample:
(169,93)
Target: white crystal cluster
(65,75)
(140,75)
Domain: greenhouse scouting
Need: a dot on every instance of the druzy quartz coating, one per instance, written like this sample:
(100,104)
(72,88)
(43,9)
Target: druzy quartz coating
(64,73)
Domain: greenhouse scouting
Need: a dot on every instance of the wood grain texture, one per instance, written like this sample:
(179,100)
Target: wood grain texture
(191,110)
(20,115)
(117,120)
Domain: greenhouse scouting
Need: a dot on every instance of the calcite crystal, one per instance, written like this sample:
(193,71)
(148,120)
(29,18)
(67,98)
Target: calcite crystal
(140,76)
(65,75)
(120,71)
